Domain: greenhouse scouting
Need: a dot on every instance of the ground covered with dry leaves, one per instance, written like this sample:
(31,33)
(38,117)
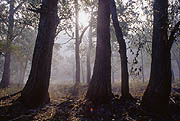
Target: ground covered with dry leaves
(64,107)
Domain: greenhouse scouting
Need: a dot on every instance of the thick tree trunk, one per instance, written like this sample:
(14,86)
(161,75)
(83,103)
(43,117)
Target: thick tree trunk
(156,96)
(99,90)
(89,53)
(35,92)
(122,51)
(6,73)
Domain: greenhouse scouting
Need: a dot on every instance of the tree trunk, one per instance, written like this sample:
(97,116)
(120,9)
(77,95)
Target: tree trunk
(35,92)
(77,56)
(73,74)
(142,61)
(77,44)
(99,90)
(112,71)
(113,78)
(156,96)
(6,73)
(23,72)
(82,72)
(172,73)
(178,63)
(177,60)
(122,51)
(89,53)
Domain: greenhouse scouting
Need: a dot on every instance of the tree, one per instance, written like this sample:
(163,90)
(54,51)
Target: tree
(11,30)
(35,92)
(77,44)
(23,54)
(156,96)
(175,51)
(88,65)
(90,6)
(99,90)
(6,73)
(122,51)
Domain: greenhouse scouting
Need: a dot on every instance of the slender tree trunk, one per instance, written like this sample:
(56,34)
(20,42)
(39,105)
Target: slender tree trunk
(6,73)
(35,92)
(177,61)
(73,74)
(113,79)
(122,51)
(77,56)
(82,71)
(23,71)
(77,44)
(112,70)
(142,61)
(89,53)
(173,76)
(19,74)
(156,96)
(99,90)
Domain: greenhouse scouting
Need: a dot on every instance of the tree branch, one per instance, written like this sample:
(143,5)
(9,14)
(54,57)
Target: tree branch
(37,10)
(172,35)
(84,30)
(18,6)
(67,41)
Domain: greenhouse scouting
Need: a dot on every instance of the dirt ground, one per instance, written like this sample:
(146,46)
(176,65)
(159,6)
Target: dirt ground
(64,107)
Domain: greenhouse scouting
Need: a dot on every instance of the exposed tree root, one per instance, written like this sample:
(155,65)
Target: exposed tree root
(9,96)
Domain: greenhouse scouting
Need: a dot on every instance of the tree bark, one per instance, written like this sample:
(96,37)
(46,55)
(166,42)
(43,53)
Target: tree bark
(172,73)
(113,78)
(122,51)
(35,92)
(77,44)
(112,71)
(156,96)
(6,73)
(142,61)
(77,56)
(89,53)
(177,61)
(23,72)
(99,90)
(82,72)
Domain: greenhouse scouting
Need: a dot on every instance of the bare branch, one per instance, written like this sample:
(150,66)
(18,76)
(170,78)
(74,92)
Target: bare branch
(172,35)
(67,41)
(18,6)
(84,30)
(37,10)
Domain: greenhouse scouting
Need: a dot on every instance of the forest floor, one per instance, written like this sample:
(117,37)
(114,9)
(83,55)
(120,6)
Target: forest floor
(64,107)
